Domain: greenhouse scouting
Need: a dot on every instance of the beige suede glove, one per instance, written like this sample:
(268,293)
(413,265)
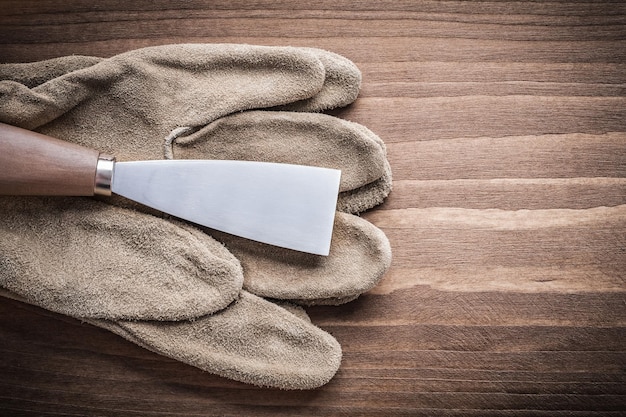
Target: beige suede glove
(141,276)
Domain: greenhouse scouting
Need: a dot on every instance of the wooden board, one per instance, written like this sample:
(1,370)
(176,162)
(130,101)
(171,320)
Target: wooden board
(506,130)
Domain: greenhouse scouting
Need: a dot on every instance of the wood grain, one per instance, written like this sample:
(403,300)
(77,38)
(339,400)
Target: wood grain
(505,124)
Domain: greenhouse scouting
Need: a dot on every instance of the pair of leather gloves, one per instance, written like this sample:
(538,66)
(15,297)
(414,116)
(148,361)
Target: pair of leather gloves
(221,303)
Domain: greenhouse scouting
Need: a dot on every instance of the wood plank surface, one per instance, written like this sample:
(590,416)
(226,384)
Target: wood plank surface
(506,130)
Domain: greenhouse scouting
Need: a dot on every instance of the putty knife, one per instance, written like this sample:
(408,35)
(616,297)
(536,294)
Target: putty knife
(290,206)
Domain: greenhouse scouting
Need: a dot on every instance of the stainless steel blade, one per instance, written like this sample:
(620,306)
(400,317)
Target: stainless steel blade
(290,206)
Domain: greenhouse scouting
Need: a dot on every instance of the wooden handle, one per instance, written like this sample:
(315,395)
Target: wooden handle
(35,164)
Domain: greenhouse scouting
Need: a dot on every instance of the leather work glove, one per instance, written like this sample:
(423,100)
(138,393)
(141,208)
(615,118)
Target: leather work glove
(192,293)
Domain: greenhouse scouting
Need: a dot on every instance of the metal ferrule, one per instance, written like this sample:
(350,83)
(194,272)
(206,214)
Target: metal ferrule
(104,175)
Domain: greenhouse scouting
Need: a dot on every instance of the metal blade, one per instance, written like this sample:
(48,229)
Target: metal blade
(290,206)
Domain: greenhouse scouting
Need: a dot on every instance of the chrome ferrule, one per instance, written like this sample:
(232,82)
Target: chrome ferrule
(104,175)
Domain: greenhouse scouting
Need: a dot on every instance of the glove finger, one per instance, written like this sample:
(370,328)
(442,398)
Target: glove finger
(342,83)
(32,74)
(359,256)
(127,104)
(252,341)
(85,259)
(299,138)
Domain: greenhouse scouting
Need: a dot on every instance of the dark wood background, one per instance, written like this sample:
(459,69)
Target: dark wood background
(506,130)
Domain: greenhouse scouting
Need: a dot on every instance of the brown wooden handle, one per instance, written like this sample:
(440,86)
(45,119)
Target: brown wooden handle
(36,164)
